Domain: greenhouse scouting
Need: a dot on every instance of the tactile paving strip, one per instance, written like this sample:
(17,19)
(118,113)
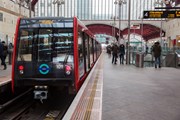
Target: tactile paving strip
(90,104)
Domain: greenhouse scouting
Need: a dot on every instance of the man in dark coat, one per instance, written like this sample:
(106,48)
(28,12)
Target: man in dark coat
(3,53)
(121,53)
(157,54)
(114,53)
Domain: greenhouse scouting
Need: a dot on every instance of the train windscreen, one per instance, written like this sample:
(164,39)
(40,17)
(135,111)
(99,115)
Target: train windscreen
(45,44)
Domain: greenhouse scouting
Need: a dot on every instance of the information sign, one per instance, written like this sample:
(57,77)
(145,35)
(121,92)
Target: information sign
(161,14)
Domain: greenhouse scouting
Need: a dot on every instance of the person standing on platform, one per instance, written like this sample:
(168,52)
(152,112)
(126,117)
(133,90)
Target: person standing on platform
(114,53)
(1,53)
(108,48)
(157,54)
(4,55)
(121,53)
(147,48)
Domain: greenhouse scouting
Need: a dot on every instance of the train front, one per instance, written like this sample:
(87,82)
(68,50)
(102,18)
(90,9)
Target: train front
(43,55)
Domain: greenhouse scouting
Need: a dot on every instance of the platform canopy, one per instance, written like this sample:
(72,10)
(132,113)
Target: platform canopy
(148,32)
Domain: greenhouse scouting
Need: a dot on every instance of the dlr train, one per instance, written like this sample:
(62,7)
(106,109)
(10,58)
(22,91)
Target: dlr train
(52,52)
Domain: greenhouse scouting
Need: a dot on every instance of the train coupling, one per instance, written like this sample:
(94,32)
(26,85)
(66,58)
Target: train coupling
(40,92)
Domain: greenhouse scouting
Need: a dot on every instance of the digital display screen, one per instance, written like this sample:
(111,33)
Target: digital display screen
(161,14)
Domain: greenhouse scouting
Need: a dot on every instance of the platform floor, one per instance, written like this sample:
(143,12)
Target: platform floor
(5,75)
(131,93)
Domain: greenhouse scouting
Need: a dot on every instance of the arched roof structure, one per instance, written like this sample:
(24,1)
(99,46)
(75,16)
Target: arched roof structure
(103,29)
(148,32)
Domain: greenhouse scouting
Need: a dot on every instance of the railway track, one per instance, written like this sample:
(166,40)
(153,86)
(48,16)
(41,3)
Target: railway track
(26,108)
(12,99)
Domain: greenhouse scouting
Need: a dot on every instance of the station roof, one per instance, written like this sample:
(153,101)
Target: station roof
(147,31)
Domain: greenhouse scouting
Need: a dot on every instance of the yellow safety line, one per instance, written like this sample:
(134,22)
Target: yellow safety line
(92,95)
(85,105)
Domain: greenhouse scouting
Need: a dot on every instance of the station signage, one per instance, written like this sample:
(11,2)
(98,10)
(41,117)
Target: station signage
(161,14)
(135,26)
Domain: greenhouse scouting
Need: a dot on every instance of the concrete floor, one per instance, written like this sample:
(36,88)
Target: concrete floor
(131,93)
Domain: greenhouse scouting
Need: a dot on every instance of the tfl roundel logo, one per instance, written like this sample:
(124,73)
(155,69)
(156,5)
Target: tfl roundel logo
(44,69)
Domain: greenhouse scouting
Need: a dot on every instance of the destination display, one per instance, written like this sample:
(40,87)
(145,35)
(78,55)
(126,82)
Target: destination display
(161,14)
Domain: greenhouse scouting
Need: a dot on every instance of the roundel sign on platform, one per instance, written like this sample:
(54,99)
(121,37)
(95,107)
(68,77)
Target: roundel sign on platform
(44,69)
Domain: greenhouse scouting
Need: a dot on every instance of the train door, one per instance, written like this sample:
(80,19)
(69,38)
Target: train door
(81,55)
(87,62)
(91,51)
(95,50)
(42,53)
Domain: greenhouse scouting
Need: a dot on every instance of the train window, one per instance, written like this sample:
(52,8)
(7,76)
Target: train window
(70,59)
(25,45)
(87,52)
(63,45)
(80,55)
(46,45)
(91,51)
(95,50)
(69,24)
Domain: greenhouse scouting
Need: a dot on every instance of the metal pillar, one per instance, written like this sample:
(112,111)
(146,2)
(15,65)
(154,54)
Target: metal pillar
(120,2)
(58,10)
(119,22)
(141,33)
(30,8)
(128,43)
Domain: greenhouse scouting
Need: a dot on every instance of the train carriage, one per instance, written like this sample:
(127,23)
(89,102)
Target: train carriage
(52,52)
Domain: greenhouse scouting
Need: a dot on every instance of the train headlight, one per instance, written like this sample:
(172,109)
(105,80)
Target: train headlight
(68,69)
(21,72)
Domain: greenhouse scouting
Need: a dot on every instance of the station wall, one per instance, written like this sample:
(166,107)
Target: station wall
(9,13)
